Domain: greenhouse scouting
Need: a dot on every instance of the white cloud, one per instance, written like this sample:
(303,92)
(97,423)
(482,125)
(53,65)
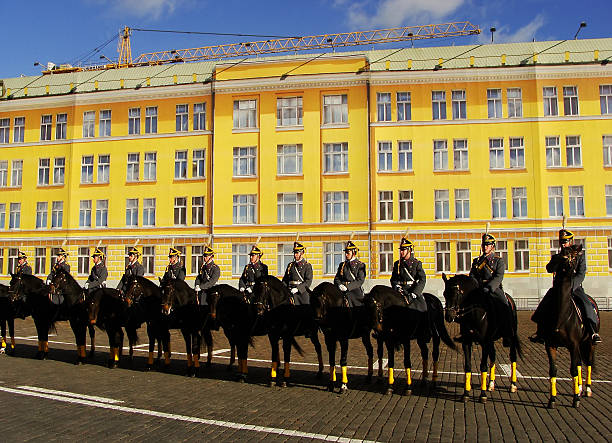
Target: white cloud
(504,34)
(153,9)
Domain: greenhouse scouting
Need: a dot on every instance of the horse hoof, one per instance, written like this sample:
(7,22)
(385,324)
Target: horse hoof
(379,379)
(588,392)
(513,388)
(319,375)
(44,355)
(208,364)
(483,398)
(408,392)
(271,383)
(343,388)
(330,386)
(465,398)
(552,403)
(92,353)
(283,384)
(576,401)
(368,378)
(148,367)
(389,391)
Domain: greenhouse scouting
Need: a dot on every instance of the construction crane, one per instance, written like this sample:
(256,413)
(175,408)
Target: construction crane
(279,45)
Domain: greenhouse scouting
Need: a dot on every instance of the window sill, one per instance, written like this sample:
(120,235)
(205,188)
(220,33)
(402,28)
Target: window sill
(11,187)
(94,185)
(332,174)
(244,177)
(335,126)
(493,170)
(183,180)
(405,171)
(564,168)
(50,186)
(244,130)
(139,182)
(290,128)
(286,176)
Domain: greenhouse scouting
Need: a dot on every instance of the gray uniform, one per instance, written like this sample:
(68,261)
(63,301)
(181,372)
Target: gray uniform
(409,277)
(207,278)
(131,270)
(351,273)
(488,270)
(299,275)
(97,277)
(56,267)
(174,272)
(24,269)
(251,273)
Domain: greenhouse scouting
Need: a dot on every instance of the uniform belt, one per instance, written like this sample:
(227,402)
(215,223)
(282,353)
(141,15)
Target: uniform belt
(295,282)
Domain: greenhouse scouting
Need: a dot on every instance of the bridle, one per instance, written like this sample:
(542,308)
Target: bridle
(167,298)
(14,289)
(55,288)
(262,304)
(378,311)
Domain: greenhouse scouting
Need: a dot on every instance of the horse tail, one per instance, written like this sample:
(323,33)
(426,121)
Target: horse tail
(297,347)
(436,315)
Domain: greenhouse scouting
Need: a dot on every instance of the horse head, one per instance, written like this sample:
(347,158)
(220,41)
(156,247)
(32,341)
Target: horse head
(16,290)
(375,307)
(455,290)
(212,299)
(63,283)
(325,296)
(134,291)
(168,297)
(262,296)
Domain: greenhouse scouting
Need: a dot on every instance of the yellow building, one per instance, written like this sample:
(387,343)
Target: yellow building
(369,145)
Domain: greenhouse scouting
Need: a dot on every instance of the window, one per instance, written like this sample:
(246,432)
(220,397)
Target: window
(289,111)
(245,162)
(239,258)
(404,107)
(442,256)
(180,164)
(57,214)
(85,214)
(103,168)
(496,153)
(607,150)
(519,202)
(105,123)
(89,124)
(336,206)
(460,155)
(198,164)
(440,160)
(131,212)
(498,202)
(54,252)
(151,120)
(383,104)
(15,216)
(515,102)
(182,118)
(576,201)
(244,208)
(336,157)
(494,103)
(40,261)
(245,114)
(43,171)
(605,99)
(335,109)
(19,130)
(406,205)
(462,204)
(555,201)
(289,208)
(148,212)
(404,157)
(133,167)
(521,255)
(197,210)
(573,151)
(87,162)
(134,121)
(5,130)
(441,204)
(385,205)
(199,116)
(17,173)
(3,173)
(150,166)
(459,105)
(180,211)
(196,259)
(46,122)
(550,101)
(284,256)
(58,170)
(608,191)
(12,259)
(61,122)
(332,255)
(438,105)
(148,259)
(610,253)
(517,152)
(501,250)
(464,256)
(2,217)
(570,100)
(553,152)
(289,159)
(102,213)
(42,208)
(385,156)
(385,257)
(83,261)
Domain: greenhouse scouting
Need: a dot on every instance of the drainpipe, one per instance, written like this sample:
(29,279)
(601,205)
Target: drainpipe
(211,186)
(369,179)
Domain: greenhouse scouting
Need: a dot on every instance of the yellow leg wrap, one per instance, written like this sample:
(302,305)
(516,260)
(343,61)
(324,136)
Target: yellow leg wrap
(116,353)
(46,346)
(189,360)
(434,375)
(196,360)
(580,374)
(150,359)
(167,357)
(468,381)
(3,344)
(408,376)
(332,373)
(391,380)
(553,386)
(12,342)
(588,377)
(287,370)
(40,346)
(344,377)
(273,371)
(425,368)
(513,372)
(492,372)
(576,386)
(483,381)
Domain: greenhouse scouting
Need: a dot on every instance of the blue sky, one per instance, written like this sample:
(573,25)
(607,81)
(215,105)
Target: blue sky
(65,30)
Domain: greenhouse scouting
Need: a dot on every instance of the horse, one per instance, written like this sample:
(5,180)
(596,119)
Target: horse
(482,319)
(7,316)
(561,326)
(340,323)
(397,324)
(180,306)
(285,320)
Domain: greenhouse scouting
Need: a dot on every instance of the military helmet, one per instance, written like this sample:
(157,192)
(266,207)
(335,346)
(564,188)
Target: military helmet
(98,253)
(297,247)
(21,255)
(256,251)
(350,246)
(133,251)
(406,244)
(565,234)
(174,252)
(62,252)
(488,239)
(208,251)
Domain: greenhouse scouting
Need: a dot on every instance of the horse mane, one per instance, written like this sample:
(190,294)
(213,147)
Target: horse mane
(274,282)
(145,282)
(32,278)
(180,284)
(69,278)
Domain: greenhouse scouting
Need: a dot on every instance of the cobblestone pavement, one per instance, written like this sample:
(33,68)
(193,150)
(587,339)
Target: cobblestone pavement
(56,400)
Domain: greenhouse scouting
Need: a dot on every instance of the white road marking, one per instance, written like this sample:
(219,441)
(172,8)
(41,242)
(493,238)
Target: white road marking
(71,394)
(507,369)
(184,418)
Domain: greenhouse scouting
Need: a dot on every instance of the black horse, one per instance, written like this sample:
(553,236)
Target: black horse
(397,324)
(561,326)
(482,319)
(340,323)
(7,316)
(285,320)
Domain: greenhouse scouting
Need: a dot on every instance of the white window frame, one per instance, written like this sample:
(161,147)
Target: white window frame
(515,102)
(406,205)
(385,156)
(239,258)
(61,126)
(459,104)
(244,161)
(438,105)
(462,204)
(460,155)
(404,155)
(464,256)
(404,106)
(570,100)
(442,251)
(289,155)
(551,101)
(553,152)
(385,258)
(83,260)
(42,211)
(89,124)
(244,208)
(605,99)
(516,146)
(606,142)
(289,111)
(4,173)
(133,167)
(336,206)
(148,259)
(383,106)
(103,168)
(494,103)
(335,158)
(85,207)
(245,114)
(40,261)
(496,153)
(15,216)
(46,125)
(198,163)
(57,214)
(199,117)
(180,164)
(608,196)
(134,121)
(44,171)
(150,166)
(289,203)
(575,195)
(519,202)
(198,214)
(87,169)
(16,173)
(131,212)
(498,203)
(180,211)
(441,204)
(19,129)
(555,201)
(284,256)
(573,151)
(59,170)
(385,206)
(148,211)
(5,130)
(102,213)
(335,109)
(105,123)
(333,254)
(440,155)
(151,120)
(182,118)
(521,255)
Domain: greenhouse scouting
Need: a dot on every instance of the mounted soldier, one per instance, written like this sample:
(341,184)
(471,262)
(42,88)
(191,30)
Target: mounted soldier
(298,276)
(208,276)
(175,269)
(60,263)
(588,311)
(408,277)
(133,269)
(252,271)
(99,274)
(22,268)
(351,276)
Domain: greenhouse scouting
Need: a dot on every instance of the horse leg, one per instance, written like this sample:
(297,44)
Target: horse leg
(492,358)
(42,330)
(367,343)
(467,368)
(408,366)
(187,337)
(574,362)
(92,340)
(390,345)
(111,346)
(11,327)
(208,339)
(232,355)
(552,373)
(243,349)
(3,332)
(275,358)
(380,354)
(314,338)
(287,358)
(80,335)
(484,365)
(344,344)
(587,353)
(330,343)
(435,356)
(425,357)
(151,357)
(513,359)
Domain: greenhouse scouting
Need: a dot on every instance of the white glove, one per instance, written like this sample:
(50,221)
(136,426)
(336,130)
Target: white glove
(86,285)
(398,288)
(48,282)
(342,288)
(413,295)
(197,289)
(294,290)
(249,290)
(241,289)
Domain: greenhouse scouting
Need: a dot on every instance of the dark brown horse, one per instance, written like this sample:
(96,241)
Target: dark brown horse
(7,317)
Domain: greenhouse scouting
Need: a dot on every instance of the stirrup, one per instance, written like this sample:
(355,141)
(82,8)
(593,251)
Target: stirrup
(535,338)
(595,338)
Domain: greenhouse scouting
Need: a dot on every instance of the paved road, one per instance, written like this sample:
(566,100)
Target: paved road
(56,400)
